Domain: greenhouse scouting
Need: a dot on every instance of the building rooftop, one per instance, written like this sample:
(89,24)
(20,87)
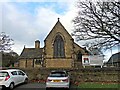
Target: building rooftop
(114,58)
(32,53)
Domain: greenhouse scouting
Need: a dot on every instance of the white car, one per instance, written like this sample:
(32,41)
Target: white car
(12,77)
(58,79)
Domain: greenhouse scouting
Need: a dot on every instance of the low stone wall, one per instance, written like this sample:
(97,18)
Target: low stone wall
(112,76)
(77,75)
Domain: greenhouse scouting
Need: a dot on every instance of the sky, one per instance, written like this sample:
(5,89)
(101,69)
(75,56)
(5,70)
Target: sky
(28,20)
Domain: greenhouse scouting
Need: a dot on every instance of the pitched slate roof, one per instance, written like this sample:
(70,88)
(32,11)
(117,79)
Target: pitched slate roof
(32,53)
(86,51)
(115,58)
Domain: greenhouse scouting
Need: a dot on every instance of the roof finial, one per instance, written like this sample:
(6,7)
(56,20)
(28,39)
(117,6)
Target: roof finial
(58,19)
(24,46)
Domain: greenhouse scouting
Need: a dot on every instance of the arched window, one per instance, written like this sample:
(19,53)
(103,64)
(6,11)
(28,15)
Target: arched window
(59,51)
(79,56)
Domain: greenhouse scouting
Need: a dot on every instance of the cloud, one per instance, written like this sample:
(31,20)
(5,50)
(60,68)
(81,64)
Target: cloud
(69,16)
(36,0)
(16,24)
(25,27)
(0,17)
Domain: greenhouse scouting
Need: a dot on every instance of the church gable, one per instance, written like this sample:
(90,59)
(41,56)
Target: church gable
(58,47)
(58,43)
(58,29)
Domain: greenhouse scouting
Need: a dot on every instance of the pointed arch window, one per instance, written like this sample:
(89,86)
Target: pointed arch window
(59,51)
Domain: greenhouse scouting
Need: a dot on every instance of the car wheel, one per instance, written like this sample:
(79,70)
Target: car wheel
(11,86)
(47,88)
(68,89)
(3,88)
(26,81)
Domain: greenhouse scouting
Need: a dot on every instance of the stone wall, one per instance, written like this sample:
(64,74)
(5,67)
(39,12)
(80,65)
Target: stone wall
(80,75)
(63,63)
(29,63)
(22,63)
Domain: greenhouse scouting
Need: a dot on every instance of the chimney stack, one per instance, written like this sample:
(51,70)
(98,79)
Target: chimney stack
(37,44)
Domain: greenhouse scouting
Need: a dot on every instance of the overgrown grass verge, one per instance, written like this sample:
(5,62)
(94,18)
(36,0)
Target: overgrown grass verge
(98,85)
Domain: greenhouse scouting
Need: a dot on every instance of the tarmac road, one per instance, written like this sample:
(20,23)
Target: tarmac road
(37,86)
(31,86)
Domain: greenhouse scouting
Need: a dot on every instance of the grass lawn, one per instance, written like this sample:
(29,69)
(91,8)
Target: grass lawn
(98,85)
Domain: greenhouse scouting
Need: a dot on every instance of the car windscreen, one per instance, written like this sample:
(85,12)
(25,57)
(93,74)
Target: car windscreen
(3,74)
(58,74)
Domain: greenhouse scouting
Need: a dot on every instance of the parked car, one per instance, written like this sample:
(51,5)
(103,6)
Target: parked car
(58,79)
(12,77)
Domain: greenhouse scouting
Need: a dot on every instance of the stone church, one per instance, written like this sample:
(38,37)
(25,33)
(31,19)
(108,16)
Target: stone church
(59,51)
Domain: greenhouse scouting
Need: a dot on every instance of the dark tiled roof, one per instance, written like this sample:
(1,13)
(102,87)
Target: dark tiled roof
(115,58)
(86,51)
(32,53)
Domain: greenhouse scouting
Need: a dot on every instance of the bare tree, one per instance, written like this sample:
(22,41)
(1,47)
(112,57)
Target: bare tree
(5,42)
(99,21)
